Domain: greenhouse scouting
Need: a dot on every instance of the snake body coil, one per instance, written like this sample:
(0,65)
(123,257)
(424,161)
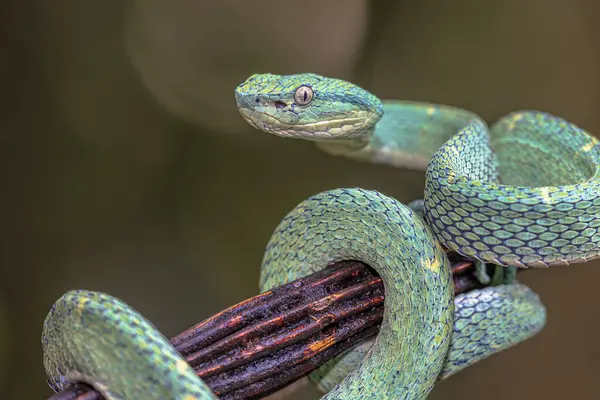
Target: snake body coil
(524,193)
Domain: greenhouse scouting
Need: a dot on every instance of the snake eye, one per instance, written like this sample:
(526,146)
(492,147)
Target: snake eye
(303,95)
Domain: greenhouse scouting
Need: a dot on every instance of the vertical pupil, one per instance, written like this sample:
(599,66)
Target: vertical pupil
(305,94)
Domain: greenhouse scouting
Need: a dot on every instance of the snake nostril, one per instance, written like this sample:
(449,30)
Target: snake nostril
(280,105)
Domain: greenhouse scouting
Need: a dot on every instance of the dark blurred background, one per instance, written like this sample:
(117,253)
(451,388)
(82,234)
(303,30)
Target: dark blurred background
(126,168)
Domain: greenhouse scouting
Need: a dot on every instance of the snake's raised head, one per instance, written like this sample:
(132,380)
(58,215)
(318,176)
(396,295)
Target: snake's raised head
(308,106)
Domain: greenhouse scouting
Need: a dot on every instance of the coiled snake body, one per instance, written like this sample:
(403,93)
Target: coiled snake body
(524,193)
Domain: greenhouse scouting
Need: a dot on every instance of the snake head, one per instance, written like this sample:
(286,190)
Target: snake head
(308,106)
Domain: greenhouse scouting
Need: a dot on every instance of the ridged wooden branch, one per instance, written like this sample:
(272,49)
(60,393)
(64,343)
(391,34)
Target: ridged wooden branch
(269,341)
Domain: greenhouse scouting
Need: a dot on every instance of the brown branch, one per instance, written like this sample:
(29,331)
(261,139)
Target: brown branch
(78,391)
(265,343)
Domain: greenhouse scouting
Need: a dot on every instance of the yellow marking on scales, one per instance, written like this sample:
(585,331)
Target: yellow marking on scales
(181,366)
(545,192)
(82,302)
(431,111)
(433,264)
(515,118)
(590,145)
(452,177)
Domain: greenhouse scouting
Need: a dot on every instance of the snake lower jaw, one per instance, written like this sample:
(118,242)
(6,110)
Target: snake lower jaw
(341,148)
(340,134)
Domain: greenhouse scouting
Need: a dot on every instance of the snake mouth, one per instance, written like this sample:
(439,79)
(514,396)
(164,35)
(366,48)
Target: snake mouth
(324,130)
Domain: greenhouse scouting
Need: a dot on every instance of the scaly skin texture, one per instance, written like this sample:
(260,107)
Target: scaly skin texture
(354,224)
(415,346)
(548,217)
(524,193)
(95,338)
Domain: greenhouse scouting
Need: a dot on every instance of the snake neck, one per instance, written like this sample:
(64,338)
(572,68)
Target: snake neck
(347,147)
(406,136)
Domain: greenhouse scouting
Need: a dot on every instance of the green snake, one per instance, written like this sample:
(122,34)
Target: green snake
(522,193)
